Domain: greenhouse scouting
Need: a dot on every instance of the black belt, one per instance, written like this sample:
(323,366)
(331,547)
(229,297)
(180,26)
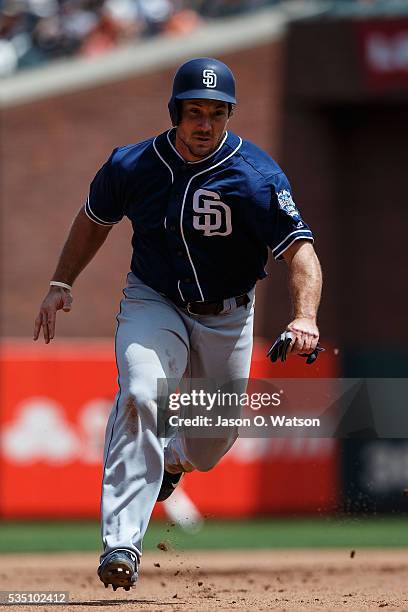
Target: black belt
(213,308)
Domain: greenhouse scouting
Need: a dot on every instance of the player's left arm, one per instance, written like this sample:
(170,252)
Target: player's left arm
(305,286)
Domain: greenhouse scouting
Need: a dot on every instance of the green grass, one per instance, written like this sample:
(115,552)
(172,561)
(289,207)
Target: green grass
(18,536)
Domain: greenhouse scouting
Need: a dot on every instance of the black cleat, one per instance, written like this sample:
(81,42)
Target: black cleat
(169,483)
(119,569)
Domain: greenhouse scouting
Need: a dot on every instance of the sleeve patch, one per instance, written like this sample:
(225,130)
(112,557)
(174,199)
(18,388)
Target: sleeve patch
(287,204)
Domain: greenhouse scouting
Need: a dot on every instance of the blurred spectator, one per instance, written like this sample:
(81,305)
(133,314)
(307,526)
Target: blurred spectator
(37,31)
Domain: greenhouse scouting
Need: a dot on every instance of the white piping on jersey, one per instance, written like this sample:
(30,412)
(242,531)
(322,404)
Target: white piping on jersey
(182,210)
(199,160)
(297,237)
(294,240)
(182,296)
(100,221)
(163,160)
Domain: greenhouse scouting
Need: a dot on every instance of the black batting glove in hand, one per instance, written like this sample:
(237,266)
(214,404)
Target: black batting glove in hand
(279,349)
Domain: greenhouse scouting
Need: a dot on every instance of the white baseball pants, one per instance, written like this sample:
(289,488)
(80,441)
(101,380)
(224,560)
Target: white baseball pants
(156,340)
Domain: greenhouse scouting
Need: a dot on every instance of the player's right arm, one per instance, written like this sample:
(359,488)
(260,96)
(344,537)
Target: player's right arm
(84,240)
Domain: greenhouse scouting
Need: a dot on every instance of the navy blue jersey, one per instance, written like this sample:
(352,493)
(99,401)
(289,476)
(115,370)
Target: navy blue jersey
(200,229)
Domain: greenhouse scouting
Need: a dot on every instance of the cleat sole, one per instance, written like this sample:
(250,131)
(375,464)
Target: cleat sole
(118,574)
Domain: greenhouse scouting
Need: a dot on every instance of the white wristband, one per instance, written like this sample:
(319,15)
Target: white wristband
(58,284)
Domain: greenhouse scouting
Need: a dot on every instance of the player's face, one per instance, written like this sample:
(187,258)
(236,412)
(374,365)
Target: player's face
(201,128)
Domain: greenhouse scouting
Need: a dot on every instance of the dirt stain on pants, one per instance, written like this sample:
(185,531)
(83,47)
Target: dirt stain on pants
(132,417)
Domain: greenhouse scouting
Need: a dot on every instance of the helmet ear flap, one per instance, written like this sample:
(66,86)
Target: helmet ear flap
(174,111)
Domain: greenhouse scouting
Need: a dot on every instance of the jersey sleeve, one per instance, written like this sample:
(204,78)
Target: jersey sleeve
(286,224)
(105,203)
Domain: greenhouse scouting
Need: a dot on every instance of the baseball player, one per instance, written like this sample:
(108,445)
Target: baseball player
(205,206)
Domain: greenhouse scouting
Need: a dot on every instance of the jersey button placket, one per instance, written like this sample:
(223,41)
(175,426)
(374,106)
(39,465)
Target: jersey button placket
(179,254)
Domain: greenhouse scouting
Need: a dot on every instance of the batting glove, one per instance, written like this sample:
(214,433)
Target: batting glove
(280,347)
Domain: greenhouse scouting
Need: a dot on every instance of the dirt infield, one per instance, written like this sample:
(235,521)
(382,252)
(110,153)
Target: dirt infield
(222,580)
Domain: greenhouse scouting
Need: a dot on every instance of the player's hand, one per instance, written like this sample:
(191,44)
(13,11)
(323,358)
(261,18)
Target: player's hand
(305,336)
(300,339)
(56,299)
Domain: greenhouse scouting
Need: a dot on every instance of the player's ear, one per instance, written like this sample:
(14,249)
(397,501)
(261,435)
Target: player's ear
(231,108)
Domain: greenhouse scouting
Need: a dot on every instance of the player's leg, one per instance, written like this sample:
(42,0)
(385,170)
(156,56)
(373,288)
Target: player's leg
(151,343)
(220,355)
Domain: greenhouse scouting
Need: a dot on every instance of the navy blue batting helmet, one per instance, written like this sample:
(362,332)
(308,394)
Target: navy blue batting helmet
(202,77)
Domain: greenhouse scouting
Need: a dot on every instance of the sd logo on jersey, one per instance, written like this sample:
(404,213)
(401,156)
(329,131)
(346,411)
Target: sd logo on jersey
(213,216)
